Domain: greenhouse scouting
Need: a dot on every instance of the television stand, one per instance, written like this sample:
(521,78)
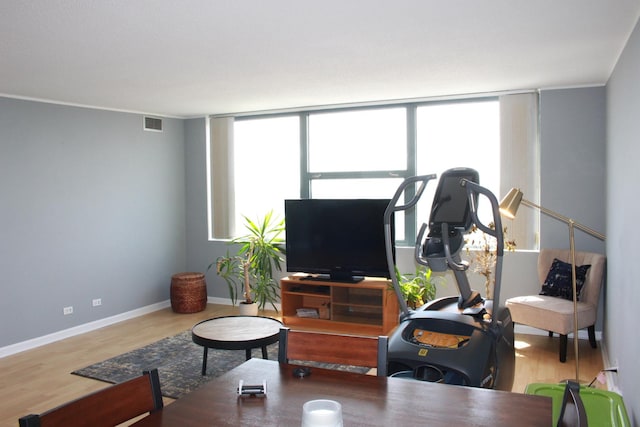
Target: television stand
(368,307)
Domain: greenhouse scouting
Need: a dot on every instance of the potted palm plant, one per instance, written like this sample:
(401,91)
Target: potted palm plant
(250,271)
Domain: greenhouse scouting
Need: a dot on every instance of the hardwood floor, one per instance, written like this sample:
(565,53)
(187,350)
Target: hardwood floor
(36,380)
(537,361)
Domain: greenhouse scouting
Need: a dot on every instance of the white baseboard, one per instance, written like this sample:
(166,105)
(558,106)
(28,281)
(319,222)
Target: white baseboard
(80,329)
(227,301)
(216,300)
(92,326)
(611,377)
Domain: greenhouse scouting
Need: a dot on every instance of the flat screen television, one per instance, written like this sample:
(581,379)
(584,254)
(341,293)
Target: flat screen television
(337,239)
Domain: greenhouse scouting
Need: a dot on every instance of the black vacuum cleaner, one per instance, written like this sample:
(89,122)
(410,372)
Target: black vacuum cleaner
(466,339)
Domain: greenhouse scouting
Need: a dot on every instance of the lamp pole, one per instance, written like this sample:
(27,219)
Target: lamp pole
(572,247)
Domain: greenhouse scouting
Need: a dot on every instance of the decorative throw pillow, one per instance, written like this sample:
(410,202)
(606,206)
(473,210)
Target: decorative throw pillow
(558,282)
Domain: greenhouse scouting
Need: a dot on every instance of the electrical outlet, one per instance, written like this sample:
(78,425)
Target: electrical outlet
(67,310)
(96,302)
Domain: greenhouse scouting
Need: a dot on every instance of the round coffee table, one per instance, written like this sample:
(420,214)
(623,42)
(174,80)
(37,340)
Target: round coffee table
(236,333)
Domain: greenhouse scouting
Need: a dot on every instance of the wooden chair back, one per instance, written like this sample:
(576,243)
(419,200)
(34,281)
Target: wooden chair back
(342,349)
(107,407)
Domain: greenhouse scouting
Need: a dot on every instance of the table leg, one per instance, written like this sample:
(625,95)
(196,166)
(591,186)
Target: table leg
(264,352)
(204,361)
(248,353)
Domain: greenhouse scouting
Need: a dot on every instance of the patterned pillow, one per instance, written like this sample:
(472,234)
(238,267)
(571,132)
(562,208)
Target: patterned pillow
(558,282)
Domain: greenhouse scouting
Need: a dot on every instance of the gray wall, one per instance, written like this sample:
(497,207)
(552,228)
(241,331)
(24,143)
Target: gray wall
(573,173)
(573,170)
(196,178)
(623,152)
(91,206)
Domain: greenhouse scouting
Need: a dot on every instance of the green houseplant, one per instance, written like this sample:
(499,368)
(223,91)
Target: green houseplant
(250,271)
(417,288)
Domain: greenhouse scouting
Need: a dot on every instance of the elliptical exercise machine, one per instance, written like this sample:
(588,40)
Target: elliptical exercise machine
(465,339)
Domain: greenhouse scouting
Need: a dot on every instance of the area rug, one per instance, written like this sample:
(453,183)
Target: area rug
(178,360)
(179,363)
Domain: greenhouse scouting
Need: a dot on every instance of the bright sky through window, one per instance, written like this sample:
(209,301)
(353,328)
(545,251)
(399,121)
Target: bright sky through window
(362,153)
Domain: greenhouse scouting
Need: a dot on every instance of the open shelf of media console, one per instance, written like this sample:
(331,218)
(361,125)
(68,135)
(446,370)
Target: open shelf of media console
(368,307)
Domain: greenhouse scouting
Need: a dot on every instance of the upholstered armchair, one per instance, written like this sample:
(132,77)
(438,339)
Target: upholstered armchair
(553,312)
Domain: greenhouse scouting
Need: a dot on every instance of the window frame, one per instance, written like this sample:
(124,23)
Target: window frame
(519,158)
(410,108)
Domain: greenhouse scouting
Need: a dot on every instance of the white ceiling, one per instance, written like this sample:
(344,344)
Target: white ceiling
(188,58)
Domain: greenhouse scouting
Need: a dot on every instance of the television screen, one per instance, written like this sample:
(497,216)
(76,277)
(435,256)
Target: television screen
(338,239)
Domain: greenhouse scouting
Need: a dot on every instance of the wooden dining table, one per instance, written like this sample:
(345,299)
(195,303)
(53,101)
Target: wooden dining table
(366,400)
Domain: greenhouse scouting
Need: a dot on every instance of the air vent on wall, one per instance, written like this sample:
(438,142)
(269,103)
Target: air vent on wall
(153,124)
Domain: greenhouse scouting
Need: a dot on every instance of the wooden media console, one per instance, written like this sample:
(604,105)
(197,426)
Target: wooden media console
(368,307)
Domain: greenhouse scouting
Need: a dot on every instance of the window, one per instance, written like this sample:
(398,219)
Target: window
(266,166)
(358,141)
(459,134)
(359,153)
(363,152)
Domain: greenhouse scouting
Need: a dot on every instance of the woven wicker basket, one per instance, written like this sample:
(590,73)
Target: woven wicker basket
(188,292)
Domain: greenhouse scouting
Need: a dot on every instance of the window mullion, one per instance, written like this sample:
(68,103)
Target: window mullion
(358,174)
(410,221)
(305,177)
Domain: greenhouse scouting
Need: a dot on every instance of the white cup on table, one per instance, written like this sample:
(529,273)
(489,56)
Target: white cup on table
(322,413)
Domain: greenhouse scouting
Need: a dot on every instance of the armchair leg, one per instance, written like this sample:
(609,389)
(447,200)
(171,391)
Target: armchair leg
(563,348)
(550,334)
(592,336)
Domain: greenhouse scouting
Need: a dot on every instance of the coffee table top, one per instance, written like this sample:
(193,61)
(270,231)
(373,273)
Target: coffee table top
(236,332)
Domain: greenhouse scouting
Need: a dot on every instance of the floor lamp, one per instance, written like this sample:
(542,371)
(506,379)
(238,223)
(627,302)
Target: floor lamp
(508,208)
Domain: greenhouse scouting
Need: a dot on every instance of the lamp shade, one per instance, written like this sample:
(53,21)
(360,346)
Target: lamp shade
(510,203)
